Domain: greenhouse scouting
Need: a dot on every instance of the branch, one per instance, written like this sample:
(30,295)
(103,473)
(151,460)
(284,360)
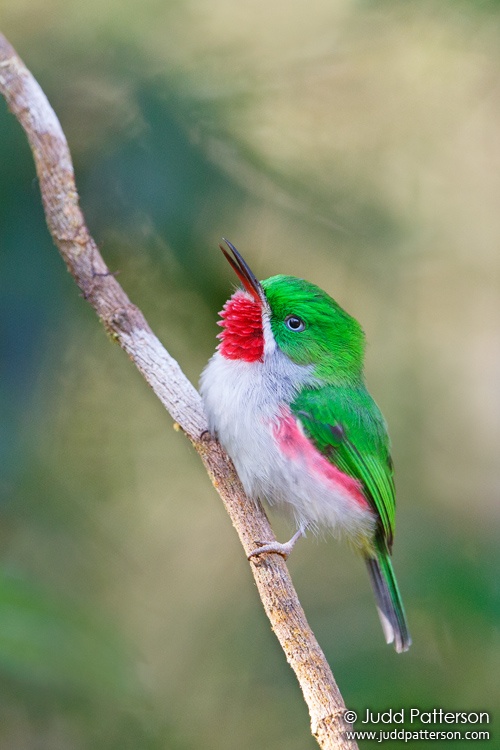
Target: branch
(127,325)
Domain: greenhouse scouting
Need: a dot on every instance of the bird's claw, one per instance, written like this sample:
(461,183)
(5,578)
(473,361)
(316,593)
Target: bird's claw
(276,547)
(263,547)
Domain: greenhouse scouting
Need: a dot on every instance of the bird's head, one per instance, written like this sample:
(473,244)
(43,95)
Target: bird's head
(298,317)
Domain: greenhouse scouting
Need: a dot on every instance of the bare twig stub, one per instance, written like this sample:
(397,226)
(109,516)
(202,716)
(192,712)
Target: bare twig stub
(128,326)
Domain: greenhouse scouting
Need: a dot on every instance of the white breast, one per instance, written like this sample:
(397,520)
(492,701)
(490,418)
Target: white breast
(243,401)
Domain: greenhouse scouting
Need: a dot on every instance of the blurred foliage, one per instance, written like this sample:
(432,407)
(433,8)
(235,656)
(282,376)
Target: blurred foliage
(353,143)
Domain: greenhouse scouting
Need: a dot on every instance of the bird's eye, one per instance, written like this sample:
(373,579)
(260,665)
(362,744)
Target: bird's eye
(294,323)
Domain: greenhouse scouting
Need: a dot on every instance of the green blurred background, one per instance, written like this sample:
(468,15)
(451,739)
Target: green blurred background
(356,144)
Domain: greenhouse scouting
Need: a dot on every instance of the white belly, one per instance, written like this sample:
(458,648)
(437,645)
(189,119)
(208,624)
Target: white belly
(243,402)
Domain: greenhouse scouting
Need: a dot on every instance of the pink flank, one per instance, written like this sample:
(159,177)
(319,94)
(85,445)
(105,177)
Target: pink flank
(295,445)
(242,336)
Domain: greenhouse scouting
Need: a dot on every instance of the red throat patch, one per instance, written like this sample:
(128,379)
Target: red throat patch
(242,336)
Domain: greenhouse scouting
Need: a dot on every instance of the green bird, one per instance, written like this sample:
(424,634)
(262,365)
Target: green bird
(286,396)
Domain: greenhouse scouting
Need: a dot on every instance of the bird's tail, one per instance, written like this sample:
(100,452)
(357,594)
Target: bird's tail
(389,602)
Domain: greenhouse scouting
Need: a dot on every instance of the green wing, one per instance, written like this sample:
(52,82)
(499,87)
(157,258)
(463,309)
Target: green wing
(346,425)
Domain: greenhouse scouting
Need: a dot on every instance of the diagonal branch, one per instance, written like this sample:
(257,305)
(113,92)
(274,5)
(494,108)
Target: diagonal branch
(127,325)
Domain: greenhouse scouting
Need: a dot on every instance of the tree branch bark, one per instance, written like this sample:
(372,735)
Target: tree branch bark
(126,324)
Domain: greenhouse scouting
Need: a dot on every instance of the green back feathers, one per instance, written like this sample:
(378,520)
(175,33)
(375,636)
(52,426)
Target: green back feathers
(346,426)
(332,341)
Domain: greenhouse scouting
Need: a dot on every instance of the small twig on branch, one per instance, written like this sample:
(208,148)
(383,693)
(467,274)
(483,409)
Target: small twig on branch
(128,326)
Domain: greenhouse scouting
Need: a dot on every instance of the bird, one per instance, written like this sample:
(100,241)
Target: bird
(285,395)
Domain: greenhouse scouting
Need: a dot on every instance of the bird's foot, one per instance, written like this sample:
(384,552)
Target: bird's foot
(276,547)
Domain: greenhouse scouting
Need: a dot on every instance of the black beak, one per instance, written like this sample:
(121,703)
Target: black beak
(244,273)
